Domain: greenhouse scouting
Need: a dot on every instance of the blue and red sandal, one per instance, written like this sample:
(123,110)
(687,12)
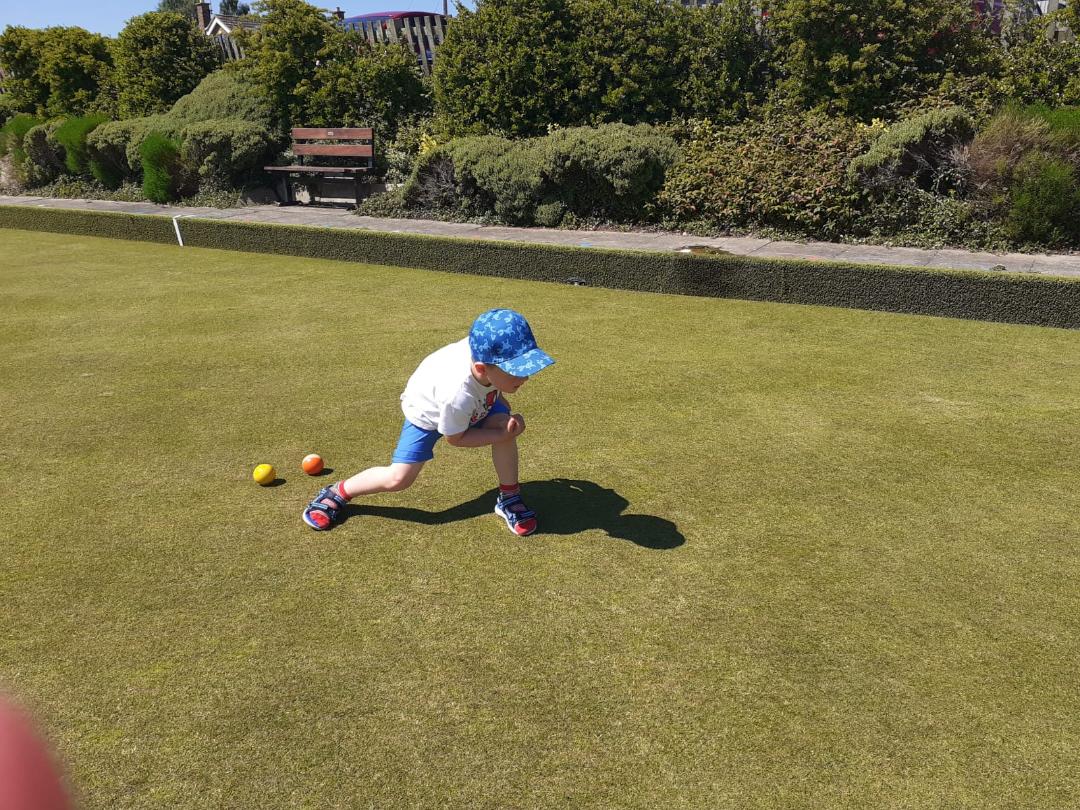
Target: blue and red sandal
(330,514)
(520,519)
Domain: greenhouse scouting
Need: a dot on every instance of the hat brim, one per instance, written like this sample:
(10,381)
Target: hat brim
(528,364)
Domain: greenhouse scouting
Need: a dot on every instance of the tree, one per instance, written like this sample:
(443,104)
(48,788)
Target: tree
(358,84)
(1037,69)
(185,8)
(857,57)
(55,71)
(234,8)
(160,56)
(509,67)
(283,52)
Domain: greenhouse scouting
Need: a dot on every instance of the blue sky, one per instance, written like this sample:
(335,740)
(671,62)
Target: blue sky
(108,16)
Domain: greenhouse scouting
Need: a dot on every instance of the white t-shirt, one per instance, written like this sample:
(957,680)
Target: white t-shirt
(442,393)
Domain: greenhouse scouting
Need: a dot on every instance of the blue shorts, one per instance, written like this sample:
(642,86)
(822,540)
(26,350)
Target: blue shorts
(417,444)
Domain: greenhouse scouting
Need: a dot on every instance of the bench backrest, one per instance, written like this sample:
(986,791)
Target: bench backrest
(334,142)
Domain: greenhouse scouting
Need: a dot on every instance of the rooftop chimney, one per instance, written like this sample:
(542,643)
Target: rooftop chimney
(202,16)
(339,14)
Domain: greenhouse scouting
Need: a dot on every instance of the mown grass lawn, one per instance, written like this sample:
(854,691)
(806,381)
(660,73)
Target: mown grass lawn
(790,556)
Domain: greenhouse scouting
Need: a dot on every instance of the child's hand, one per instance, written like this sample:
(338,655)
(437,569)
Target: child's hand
(515,425)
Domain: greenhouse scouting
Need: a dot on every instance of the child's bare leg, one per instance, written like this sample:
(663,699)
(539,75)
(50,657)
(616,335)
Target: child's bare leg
(504,455)
(396,477)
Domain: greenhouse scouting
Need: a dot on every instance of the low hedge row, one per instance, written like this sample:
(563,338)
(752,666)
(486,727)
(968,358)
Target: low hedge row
(1008,298)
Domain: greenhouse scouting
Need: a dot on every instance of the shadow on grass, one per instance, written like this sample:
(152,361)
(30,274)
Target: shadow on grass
(564,506)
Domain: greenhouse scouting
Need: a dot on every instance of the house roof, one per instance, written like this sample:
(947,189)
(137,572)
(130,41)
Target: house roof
(229,23)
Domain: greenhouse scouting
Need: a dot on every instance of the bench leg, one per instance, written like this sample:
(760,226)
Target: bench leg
(356,188)
(285,196)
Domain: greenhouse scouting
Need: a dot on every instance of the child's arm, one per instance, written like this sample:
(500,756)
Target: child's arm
(483,436)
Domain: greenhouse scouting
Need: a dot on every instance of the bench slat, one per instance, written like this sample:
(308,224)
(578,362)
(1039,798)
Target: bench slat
(332,132)
(317,169)
(335,149)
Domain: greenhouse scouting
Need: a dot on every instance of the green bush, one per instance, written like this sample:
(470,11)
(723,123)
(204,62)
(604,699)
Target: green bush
(610,173)
(226,93)
(1045,202)
(786,170)
(44,155)
(163,171)
(11,142)
(920,148)
(908,215)
(9,108)
(142,128)
(71,135)
(107,146)
(160,56)
(226,151)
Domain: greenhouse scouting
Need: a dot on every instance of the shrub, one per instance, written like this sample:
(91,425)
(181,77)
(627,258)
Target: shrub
(9,108)
(920,147)
(160,56)
(71,135)
(610,173)
(163,172)
(44,160)
(909,215)
(226,93)
(107,146)
(786,170)
(999,148)
(1045,202)
(226,151)
(141,128)
(11,142)
(858,57)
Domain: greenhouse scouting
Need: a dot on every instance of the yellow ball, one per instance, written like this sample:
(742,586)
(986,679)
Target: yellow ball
(264,474)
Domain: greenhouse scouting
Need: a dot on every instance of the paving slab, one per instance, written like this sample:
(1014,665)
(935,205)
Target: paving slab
(1062,265)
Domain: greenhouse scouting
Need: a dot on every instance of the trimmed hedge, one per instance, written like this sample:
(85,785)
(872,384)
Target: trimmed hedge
(1007,298)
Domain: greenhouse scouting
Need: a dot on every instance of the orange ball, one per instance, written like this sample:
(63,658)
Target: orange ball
(312,464)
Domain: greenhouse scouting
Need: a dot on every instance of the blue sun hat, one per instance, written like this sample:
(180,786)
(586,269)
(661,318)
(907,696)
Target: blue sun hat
(502,337)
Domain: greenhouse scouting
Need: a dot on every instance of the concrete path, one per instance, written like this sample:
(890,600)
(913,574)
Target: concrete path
(331,217)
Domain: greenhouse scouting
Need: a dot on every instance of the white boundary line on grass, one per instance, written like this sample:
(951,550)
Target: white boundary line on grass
(176,227)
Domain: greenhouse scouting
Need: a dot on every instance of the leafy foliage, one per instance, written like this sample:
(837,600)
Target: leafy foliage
(55,71)
(163,171)
(787,170)
(359,84)
(226,93)
(610,173)
(71,135)
(44,160)
(233,8)
(858,57)
(1045,201)
(107,146)
(508,67)
(513,67)
(224,152)
(314,73)
(920,147)
(1039,70)
(160,56)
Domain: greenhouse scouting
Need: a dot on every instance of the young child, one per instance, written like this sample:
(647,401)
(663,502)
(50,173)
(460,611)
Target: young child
(458,392)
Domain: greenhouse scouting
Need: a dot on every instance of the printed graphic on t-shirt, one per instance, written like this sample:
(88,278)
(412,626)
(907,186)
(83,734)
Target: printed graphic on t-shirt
(489,403)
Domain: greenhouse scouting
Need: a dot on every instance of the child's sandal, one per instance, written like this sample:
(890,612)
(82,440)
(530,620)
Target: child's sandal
(317,506)
(521,522)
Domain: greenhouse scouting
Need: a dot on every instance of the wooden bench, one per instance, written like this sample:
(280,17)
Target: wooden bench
(332,142)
